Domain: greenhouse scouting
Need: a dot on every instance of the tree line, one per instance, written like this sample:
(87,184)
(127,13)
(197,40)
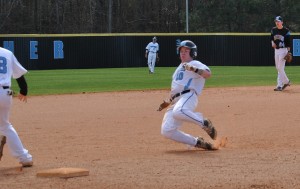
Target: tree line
(140,16)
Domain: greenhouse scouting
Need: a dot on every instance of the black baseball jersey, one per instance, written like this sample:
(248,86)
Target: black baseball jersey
(281,37)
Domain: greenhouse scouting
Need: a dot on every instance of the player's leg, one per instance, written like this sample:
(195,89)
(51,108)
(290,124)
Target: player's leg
(14,144)
(151,56)
(277,65)
(153,61)
(12,139)
(184,110)
(149,63)
(170,129)
(283,77)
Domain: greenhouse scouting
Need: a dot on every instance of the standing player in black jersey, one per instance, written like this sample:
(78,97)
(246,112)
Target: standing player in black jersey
(280,39)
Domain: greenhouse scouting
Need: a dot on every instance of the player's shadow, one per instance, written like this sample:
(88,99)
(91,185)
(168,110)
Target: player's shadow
(11,171)
(192,152)
(291,91)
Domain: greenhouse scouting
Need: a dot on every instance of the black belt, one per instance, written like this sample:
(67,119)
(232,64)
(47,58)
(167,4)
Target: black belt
(179,94)
(5,87)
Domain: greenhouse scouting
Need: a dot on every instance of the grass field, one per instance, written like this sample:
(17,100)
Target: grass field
(45,82)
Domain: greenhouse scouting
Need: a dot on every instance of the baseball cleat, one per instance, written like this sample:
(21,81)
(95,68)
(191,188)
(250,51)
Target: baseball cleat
(204,145)
(26,164)
(209,128)
(286,85)
(278,89)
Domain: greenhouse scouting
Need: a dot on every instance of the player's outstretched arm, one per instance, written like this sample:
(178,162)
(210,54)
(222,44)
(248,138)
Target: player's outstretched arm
(203,72)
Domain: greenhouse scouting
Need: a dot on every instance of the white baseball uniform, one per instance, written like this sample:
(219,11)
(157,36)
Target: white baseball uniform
(10,67)
(183,107)
(280,38)
(152,48)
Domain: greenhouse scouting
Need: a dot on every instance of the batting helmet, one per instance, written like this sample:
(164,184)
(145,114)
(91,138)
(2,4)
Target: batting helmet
(191,45)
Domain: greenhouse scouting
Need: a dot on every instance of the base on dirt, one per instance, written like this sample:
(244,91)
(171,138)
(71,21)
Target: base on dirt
(63,172)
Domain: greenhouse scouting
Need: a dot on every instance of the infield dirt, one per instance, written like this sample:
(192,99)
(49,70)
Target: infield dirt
(116,136)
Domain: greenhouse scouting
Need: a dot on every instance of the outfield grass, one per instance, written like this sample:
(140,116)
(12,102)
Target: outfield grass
(45,82)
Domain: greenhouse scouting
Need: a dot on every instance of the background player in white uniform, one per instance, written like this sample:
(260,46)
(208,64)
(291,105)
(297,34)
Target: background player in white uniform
(280,40)
(187,84)
(151,54)
(10,67)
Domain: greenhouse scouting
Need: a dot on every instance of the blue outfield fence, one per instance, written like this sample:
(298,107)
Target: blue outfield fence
(44,52)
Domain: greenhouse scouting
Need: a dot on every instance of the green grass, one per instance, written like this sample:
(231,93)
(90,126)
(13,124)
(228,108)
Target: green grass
(44,82)
(249,76)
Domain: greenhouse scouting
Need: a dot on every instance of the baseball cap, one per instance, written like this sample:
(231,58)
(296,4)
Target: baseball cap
(278,18)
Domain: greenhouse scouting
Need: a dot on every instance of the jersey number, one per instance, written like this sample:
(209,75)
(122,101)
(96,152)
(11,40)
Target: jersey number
(179,76)
(3,65)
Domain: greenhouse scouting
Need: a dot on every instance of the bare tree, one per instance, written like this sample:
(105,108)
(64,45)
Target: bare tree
(138,16)
(5,11)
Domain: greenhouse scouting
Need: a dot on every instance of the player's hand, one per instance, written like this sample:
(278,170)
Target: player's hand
(188,67)
(22,98)
(163,105)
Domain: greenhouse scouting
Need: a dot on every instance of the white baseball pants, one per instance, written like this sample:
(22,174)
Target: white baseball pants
(280,65)
(151,61)
(182,110)
(6,129)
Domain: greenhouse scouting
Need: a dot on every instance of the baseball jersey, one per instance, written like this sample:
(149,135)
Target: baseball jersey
(152,47)
(9,67)
(184,80)
(281,37)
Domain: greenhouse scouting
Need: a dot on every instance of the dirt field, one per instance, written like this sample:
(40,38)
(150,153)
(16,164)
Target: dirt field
(116,136)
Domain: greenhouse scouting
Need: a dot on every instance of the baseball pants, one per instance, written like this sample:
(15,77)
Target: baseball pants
(182,111)
(6,129)
(280,66)
(151,61)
